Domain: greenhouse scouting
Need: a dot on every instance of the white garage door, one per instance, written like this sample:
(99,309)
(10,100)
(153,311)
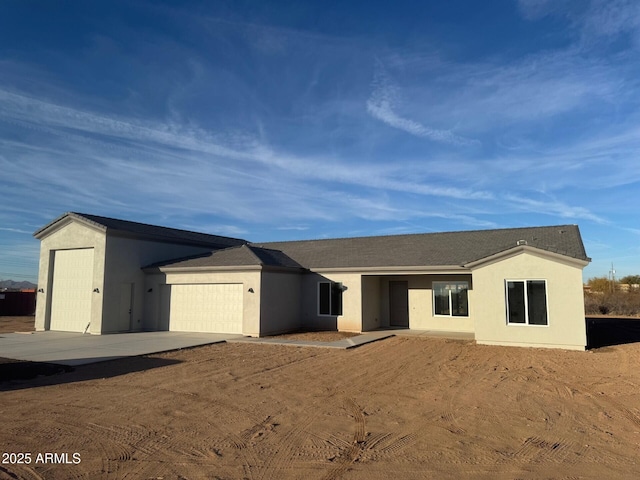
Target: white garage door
(213,308)
(71,295)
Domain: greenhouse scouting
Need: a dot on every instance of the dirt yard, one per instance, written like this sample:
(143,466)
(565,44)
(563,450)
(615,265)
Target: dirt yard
(399,408)
(17,324)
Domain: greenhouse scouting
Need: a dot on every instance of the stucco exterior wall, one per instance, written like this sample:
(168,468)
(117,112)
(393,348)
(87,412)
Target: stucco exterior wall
(156,302)
(566,320)
(421,312)
(371,303)
(280,304)
(124,259)
(70,236)
(351,318)
(421,315)
(250,279)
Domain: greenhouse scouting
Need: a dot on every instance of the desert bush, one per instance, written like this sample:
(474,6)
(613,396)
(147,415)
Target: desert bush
(600,284)
(631,279)
(612,303)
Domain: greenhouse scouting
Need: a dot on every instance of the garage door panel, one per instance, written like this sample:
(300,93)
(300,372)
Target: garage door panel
(214,308)
(71,294)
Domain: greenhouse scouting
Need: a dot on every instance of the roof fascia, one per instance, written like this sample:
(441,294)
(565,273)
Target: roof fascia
(557,257)
(280,269)
(218,269)
(400,270)
(168,240)
(234,268)
(63,221)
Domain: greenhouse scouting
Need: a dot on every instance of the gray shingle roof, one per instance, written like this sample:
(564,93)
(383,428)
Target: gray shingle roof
(244,255)
(446,249)
(429,249)
(154,232)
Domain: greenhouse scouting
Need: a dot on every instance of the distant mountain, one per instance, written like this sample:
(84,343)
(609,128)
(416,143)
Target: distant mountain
(11,285)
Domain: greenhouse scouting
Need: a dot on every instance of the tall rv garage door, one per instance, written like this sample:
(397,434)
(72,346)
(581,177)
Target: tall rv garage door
(71,295)
(211,308)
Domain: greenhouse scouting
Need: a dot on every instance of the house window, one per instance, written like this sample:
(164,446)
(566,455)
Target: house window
(329,298)
(527,302)
(451,299)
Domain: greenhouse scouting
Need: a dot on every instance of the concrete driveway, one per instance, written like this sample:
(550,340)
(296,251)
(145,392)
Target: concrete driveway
(68,348)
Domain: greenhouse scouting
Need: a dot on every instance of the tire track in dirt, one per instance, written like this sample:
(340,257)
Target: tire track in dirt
(133,451)
(120,445)
(537,450)
(497,374)
(320,447)
(544,407)
(20,472)
(466,412)
(353,451)
(283,458)
(257,441)
(253,443)
(339,363)
(546,396)
(225,421)
(69,437)
(457,383)
(365,446)
(259,430)
(246,378)
(591,393)
(124,442)
(386,445)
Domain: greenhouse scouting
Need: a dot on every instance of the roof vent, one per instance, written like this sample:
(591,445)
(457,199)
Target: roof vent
(521,242)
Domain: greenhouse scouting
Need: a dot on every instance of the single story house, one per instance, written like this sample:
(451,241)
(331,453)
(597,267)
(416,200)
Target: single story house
(518,286)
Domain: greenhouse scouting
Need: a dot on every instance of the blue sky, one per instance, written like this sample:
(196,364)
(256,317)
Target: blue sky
(284,120)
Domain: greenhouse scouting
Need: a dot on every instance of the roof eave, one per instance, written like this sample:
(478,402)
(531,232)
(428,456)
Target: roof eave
(578,262)
(204,269)
(63,221)
(169,239)
(222,268)
(388,270)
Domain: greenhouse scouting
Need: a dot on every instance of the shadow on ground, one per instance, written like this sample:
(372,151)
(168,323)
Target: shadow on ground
(17,374)
(608,331)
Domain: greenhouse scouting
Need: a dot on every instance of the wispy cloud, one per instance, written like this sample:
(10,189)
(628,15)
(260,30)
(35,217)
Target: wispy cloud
(592,19)
(150,152)
(15,230)
(554,207)
(535,9)
(381,105)
(611,17)
(246,122)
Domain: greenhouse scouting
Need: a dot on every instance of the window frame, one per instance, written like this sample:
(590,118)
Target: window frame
(335,307)
(433,298)
(525,282)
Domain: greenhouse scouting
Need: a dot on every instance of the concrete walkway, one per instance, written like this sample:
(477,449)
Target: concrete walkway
(435,333)
(66,348)
(344,344)
(72,349)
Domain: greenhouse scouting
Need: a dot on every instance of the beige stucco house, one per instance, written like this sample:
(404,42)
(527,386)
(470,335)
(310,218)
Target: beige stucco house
(520,286)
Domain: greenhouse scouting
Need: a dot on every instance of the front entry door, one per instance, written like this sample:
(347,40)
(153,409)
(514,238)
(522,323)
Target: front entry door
(125,308)
(399,304)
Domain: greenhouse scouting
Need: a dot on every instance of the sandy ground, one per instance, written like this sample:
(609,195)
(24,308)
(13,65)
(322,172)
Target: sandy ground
(17,324)
(399,408)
